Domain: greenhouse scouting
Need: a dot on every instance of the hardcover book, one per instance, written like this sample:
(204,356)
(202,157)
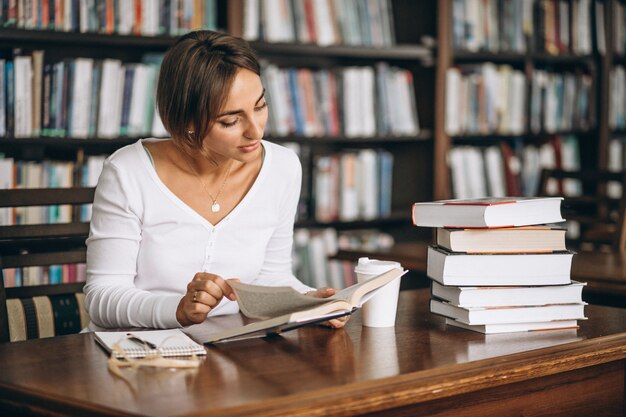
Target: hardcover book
(506,240)
(515,327)
(488,212)
(456,268)
(508,315)
(509,296)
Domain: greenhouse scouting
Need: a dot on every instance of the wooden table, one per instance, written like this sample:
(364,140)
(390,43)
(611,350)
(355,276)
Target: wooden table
(420,367)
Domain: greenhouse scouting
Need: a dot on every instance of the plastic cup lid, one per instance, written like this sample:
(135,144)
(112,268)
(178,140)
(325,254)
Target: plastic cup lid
(374,266)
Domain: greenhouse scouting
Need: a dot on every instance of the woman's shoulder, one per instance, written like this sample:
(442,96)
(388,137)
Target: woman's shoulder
(286,157)
(129,155)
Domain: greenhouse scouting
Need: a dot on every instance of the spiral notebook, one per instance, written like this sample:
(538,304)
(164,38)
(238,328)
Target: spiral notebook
(137,344)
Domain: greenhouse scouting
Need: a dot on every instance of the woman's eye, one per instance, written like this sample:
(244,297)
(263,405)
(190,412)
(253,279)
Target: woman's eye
(261,107)
(229,123)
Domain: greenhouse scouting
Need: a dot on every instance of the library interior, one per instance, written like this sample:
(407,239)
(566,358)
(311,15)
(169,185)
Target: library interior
(477,145)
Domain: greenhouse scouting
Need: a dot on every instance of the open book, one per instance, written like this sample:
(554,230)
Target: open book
(280,309)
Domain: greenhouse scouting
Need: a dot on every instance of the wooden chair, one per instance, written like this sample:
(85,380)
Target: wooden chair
(28,312)
(600,215)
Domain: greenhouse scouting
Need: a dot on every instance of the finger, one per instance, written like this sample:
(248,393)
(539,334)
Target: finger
(202,276)
(323,292)
(339,322)
(232,296)
(226,289)
(203,297)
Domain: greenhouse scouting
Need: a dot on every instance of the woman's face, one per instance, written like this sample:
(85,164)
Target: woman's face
(239,127)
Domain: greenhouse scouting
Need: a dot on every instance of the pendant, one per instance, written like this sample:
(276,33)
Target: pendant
(215,207)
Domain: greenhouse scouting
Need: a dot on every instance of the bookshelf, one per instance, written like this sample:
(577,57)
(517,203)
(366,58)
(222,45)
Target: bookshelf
(556,46)
(411,152)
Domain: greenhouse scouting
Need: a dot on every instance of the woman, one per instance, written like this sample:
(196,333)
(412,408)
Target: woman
(174,219)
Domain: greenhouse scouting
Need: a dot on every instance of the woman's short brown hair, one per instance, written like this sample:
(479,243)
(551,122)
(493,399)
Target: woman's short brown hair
(195,78)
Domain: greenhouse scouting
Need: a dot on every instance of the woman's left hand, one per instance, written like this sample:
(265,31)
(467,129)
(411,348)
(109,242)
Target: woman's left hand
(325,293)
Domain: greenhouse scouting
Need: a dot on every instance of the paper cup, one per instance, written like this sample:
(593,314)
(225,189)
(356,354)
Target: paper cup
(380,310)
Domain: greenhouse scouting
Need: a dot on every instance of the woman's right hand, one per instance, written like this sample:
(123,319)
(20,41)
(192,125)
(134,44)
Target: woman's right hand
(204,292)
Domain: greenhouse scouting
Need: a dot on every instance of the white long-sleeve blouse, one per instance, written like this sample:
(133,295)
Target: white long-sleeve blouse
(145,244)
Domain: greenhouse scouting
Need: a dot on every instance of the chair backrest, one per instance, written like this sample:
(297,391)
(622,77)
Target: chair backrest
(595,200)
(48,301)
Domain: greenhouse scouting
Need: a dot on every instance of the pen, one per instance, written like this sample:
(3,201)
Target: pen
(141,341)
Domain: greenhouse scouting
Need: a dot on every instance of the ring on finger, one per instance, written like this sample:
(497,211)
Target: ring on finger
(195,296)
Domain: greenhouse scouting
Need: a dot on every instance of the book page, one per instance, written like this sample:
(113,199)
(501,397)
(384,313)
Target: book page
(262,302)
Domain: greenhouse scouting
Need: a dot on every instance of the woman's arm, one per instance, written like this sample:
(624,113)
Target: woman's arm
(112,247)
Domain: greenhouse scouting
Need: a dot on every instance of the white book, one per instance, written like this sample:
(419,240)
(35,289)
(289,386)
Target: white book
(251,19)
(109,108)
(488,212)
(474,171)
(67,15)
(453,83)
(6,183)
(518,103)
(139,100)
(150,17)
(83,18)
(37,84)
(3,98)
(277,21)
(348,193)
(319,261)
(463,269)
(23,102)
(127,17)
(323,23)
(403,107)
(462,296)
(351,102)
(508,315)
(367,116)
(368,184)
(81,97)
(494,166)
(456,162)
(515,327)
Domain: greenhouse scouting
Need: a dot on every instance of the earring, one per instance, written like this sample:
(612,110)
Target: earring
(190,132)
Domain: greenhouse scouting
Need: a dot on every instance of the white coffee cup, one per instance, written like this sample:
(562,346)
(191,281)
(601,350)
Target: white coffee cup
(380,310)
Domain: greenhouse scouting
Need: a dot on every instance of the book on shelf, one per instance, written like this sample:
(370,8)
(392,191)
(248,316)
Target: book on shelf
(486,296)
(141,343)
(488,212)
(280,309)
(457,268)
(515,327)
(508,315)
(506,240)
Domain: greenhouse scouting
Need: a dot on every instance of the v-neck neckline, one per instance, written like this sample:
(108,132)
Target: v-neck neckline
(143,155)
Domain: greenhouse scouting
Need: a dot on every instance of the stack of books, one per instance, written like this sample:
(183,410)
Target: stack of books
(500,265)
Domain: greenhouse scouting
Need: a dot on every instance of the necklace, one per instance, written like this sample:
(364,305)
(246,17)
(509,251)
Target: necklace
(215,207)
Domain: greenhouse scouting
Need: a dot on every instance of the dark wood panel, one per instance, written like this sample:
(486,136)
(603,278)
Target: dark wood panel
(43,231)
(46,196)
(34,290)
(596,391)
(45,259)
